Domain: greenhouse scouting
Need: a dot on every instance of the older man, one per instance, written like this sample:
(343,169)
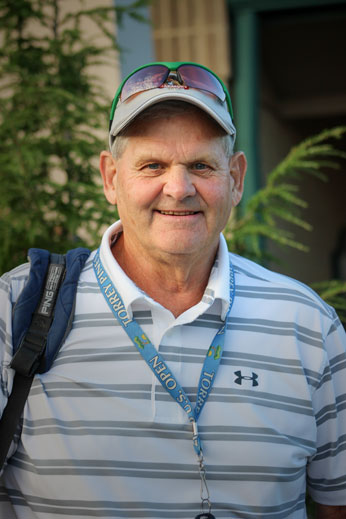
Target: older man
(194,383)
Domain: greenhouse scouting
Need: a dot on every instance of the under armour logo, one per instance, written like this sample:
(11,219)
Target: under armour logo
(240,378)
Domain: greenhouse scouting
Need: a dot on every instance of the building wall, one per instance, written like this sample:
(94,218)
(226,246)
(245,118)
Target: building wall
(109,72)
(193,30)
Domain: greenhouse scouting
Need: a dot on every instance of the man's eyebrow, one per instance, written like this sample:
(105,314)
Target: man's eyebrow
(208,159)
(197,157)
(146,158)
(202,158)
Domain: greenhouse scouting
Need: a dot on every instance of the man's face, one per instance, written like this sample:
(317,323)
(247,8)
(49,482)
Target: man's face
(174,187)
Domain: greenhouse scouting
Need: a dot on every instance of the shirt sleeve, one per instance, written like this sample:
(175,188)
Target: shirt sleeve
(11,284)
(5,339)
(326,471)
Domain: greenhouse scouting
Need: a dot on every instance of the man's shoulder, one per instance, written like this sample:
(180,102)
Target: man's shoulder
(17,273)
(268,284)
(14,280)
(250,272)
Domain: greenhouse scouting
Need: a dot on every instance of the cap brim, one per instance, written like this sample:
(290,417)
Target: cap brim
(127,111)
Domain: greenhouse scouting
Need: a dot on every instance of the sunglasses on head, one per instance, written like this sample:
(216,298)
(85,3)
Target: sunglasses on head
(185,74)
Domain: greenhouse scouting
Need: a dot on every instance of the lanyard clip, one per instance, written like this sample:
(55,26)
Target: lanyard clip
(194,430)
(205,496)
(196,439)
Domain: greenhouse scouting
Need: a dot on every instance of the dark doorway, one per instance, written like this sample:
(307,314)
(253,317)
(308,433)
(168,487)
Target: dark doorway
(303,91)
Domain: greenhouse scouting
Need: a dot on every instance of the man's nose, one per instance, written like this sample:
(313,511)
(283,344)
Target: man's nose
(179,183)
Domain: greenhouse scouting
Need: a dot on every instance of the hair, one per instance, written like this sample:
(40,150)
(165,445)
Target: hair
(164,110)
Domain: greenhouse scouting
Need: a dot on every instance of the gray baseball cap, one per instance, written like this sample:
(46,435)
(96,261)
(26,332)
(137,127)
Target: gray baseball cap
(123,113)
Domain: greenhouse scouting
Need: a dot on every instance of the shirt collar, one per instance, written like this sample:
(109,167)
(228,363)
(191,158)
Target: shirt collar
(217,288)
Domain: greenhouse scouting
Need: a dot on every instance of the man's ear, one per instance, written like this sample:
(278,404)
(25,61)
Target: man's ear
(108,173)
(238,165)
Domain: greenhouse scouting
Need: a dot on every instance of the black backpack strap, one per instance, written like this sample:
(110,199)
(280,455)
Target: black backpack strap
(31,349)
(64,307)
(27,357)
(12,413)
(42,318)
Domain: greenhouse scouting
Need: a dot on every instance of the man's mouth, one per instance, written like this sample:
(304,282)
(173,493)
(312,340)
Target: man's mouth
(178,213)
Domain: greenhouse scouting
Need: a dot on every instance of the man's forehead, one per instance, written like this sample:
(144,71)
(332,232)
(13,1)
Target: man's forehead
(176,144)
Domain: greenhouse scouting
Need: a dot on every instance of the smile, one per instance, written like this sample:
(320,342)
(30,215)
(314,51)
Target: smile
(178,213)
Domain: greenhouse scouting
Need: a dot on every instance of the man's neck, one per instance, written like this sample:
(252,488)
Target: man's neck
(177,285)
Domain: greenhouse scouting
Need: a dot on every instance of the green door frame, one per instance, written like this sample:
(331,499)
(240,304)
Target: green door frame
(246,75)
(246,95)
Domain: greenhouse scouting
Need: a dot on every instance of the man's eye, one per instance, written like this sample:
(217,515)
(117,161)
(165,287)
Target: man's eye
(153,165)
(200,166)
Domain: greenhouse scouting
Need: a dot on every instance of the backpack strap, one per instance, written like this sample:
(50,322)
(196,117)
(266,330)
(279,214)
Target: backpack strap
(32,345)
(64,307)
(53,314)
(12,413)
(42,318)
(30,296)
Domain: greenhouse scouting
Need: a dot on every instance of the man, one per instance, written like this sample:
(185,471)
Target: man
(194,383)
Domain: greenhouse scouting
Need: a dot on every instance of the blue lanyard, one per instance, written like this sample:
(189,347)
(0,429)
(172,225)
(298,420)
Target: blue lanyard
(156,362)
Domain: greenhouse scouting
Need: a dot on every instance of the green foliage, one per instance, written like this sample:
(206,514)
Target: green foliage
(334,292)
(278,200)
(52,112)
(50,194)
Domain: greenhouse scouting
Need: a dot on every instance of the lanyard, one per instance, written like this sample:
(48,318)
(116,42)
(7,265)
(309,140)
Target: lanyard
(157,364)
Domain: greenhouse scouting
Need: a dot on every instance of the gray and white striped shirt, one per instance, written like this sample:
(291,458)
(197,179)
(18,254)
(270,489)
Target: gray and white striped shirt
(101,437)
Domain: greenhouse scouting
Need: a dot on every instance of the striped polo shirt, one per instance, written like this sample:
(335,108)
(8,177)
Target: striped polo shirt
(101,438)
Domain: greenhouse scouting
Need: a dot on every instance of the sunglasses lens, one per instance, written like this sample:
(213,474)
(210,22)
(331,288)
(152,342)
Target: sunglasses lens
(197,77)
(144,79)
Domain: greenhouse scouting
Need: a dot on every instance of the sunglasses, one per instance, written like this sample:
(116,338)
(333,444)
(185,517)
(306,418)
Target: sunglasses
(186,74)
